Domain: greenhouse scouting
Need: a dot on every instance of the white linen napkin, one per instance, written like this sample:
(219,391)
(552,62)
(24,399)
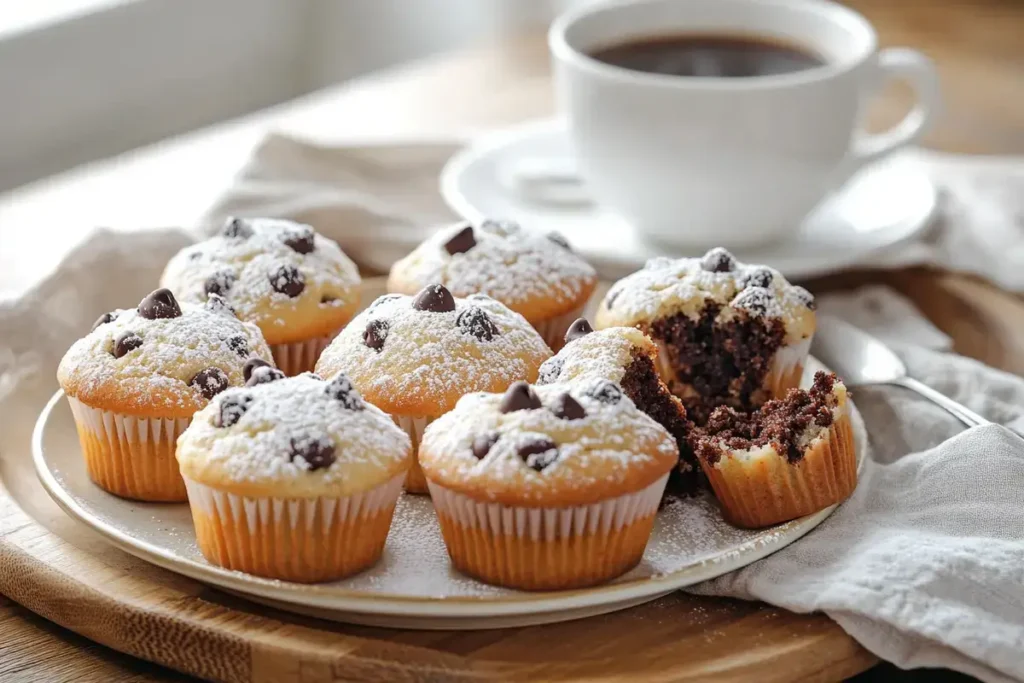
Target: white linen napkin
(924,565)
(379,201)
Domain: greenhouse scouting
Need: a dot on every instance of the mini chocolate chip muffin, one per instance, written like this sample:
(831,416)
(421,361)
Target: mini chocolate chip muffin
(547,488)
(729,333)
(629,358)
(293,478)
(536,275)
(792,457)
(415,357)
(136,379)
(297,286)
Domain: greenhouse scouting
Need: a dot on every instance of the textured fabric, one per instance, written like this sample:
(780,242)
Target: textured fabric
(924,565)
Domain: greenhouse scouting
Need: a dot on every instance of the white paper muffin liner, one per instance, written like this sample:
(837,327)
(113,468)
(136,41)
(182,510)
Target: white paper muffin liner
(548,524)
(553,330)
(414,426)
(299,357)
(136,454)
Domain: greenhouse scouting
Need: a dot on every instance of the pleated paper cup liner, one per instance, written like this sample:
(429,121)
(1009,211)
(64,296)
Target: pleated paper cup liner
(787,369)
(299,357)
(131,457)
(414,426)
(762,491)
(533,548)
(553,330)
(306,540)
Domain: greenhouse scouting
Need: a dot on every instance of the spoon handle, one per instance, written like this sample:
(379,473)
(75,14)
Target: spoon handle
(961,412)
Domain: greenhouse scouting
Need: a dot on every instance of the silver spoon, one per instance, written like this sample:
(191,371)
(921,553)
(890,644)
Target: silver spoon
(861,359)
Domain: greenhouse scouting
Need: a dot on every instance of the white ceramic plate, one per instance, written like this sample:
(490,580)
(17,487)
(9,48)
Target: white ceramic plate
(413,586)
(885,205)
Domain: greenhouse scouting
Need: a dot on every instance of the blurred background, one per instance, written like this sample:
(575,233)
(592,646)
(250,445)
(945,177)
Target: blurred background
(86,79)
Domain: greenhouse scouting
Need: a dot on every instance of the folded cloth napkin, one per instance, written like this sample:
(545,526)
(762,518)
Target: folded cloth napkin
(923,565)
(379,201)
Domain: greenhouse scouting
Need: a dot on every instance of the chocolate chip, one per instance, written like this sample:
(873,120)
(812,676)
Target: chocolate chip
(580,328)
(568,408)
(318,452)
(301,239)
(483,443)
(559,239)
(328,299)
(605,391)
(550,370)
(435,299)
(805,297)
(159,304)
(718,260)
(538,452)
(475,321)
(610,297)
(341,389)
(215,303)
(195,255)
(499,227)
(263,374)
(375,334)
(125,342)
(232,408)
(219,283)
(210,381)
(461,242)
(237,227)
(251,365)
(382,299)
(104,319)
(519,396)
(754,299)
(287,280)
(239,345)
(761,277)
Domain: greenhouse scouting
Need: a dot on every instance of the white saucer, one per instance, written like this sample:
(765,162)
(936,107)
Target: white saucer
(883,206)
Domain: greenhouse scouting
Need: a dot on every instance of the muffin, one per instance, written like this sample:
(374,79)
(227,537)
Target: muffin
(547,488)
(414,357)
(136,379)
(629,358)
(536,275)
(792,457)
(297,286)
(729,333)
(293,478)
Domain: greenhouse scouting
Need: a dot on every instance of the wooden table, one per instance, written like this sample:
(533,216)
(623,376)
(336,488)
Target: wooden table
(980,55)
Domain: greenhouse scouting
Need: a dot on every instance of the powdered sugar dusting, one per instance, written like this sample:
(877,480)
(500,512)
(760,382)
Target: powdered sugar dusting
(428,355)
(173,350)
(604,354)
(247,270)
(287,416)
(508,263)
(668,286)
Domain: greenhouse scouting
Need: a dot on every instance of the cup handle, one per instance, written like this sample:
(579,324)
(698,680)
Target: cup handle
(919,72)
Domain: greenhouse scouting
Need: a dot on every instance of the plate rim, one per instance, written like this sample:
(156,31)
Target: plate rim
(357,601)
(902,231)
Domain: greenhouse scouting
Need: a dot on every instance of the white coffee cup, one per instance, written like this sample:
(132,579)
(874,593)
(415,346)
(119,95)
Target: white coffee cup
(696,161)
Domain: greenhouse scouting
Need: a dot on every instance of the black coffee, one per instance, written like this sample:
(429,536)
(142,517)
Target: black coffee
(708,56)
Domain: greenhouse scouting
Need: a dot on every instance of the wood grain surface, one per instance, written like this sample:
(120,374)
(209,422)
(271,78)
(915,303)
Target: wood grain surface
(52,569)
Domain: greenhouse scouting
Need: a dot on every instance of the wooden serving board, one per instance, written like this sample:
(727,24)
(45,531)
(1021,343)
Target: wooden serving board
(68,575)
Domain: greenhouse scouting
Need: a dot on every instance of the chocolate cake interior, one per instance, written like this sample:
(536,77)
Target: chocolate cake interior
(780,422)
(718,363)
(643,386)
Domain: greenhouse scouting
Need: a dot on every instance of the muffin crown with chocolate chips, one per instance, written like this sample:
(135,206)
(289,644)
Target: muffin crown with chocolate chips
(535,274)
(419,354)
(164,358)
(298,437)
(547,445)
(666,287)
(290,281)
